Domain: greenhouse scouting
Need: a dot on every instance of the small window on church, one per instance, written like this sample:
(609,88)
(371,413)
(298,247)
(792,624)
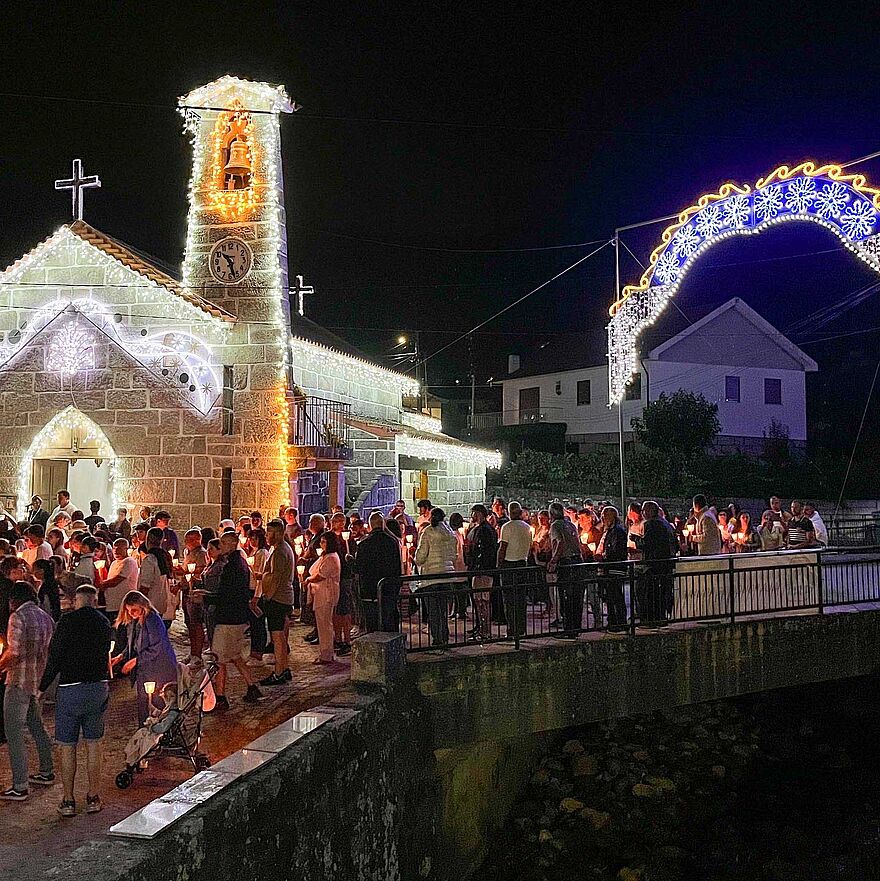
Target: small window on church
(228,394)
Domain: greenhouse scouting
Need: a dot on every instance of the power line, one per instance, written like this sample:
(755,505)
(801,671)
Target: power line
(517,302)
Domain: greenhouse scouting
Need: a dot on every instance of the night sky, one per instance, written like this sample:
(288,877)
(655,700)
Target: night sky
(434,139)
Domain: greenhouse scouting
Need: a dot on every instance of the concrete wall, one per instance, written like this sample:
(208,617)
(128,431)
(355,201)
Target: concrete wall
(539,688)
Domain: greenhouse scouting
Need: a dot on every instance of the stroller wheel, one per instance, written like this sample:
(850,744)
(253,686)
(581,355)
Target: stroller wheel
(202,762)
(124,779)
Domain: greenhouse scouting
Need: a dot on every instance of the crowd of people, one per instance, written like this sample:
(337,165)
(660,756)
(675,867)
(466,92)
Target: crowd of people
(83,600)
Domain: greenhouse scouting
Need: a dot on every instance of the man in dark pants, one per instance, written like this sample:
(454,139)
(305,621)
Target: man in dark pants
(378,558)
(514,546)
(566,553)
(658,545)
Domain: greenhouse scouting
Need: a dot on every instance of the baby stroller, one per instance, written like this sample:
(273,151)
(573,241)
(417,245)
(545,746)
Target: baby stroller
(177,729)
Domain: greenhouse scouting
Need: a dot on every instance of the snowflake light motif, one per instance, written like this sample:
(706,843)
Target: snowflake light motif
(768,202)
(72,349)
(736,211)
(667,267)
(859,219)
(709,221)
(686,241)
(801,195)
(831,200)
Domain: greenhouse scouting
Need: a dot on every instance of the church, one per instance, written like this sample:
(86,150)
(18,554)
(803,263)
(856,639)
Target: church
(206,394)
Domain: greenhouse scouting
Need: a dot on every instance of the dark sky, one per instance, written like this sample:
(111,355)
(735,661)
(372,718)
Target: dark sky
(461,126)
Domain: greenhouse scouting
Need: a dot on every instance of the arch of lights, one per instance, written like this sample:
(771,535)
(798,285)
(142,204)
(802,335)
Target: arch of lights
(179,358)
(842,203)
(47,438)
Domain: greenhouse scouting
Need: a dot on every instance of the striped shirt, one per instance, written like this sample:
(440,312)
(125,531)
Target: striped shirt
(28,636)
(800,531)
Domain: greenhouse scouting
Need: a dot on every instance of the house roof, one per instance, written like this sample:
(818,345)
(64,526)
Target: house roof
(750,315)
(254,95)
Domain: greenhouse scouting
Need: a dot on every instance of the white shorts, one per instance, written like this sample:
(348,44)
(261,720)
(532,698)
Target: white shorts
(230,642)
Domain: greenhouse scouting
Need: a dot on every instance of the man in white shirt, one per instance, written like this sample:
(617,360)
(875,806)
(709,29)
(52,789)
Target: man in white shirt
(64,506)
(37,546)
(514,546)
(818,523)
(121,577)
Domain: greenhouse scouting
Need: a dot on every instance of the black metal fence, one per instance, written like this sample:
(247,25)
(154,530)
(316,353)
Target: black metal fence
(320,424)
(855,531)
(514,604)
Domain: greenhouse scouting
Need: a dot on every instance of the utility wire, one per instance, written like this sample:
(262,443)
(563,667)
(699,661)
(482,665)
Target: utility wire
(516,302)
(856,443)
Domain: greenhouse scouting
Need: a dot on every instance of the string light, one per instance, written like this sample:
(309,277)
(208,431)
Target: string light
(233,205)
(323,361)
(422,422)
(72,349)
(431,449)
(50,438)
(842,203)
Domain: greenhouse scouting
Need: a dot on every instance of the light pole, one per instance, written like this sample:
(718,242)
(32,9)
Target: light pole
(621,450)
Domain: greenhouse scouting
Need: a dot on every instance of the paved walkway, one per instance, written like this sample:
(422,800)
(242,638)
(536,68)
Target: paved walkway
(33,837)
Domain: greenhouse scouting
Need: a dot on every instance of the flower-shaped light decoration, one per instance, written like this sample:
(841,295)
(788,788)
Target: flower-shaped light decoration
(72,349)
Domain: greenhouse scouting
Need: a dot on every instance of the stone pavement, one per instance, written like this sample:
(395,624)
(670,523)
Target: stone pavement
(33,837)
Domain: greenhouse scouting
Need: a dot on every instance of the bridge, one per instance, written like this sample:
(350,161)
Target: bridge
(408,772)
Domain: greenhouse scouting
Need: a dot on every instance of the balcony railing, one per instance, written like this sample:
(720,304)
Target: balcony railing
(515,417)
(320,426)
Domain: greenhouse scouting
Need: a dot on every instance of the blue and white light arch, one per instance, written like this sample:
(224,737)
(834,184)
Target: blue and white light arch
(842,203)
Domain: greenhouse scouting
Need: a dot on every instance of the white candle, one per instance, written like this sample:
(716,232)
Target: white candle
(319,551)
(99,564)
(110,656)
(191,567)
(149,688)
(410,539)
(346,534)
(250,561)
(301,570)
(592,546)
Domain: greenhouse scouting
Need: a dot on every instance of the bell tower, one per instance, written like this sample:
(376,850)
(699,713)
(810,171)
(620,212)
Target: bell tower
(236,244)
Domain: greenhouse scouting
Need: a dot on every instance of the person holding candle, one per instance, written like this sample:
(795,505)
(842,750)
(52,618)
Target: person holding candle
(170,541)
(85,564)
(155,578)
(706,535)
(481,553)
(231,602)
(342,614)
(436,553)
(378,558)
(78,656)
(566,554)
(37,548)
(148,655)
(309,555)
(612,549)
(256,551)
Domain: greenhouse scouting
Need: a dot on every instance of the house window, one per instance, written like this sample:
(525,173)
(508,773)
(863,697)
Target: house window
(634,389)
(772,391)
(529,404)
(731,389)
(584,392)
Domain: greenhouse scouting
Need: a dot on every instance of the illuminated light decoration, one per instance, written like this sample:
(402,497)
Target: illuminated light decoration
(233,204)
(49,437)
(422,422)
(211,113)
(306,355)
(842,203)
(72,349)
(430,449)
(168,355)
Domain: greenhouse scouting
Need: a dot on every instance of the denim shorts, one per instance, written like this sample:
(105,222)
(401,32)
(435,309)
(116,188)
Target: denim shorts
(80,708)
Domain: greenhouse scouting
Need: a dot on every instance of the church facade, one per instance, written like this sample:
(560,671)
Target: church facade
(198,395)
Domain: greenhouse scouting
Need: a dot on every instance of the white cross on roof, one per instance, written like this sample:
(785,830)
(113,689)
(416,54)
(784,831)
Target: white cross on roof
(76,183)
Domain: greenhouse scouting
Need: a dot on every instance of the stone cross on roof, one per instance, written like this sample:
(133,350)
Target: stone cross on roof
(76,183)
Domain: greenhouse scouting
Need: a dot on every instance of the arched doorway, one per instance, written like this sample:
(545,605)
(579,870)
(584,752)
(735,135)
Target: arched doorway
(826,195)
(70,452)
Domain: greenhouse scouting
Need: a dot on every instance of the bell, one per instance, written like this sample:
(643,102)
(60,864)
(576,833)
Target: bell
(239,161)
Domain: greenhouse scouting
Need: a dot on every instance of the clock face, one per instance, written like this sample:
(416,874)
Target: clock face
(230,261)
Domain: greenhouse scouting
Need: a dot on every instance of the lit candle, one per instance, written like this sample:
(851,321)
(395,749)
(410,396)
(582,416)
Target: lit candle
(100,564)
(688,529)
(250,561)
(410,539)
(149,688)
(532,530)
(173,553)
(110,656)
(301,570)
(585,538)
(346,534)
(242,539)
(319,551)
(592,546)
(191,567)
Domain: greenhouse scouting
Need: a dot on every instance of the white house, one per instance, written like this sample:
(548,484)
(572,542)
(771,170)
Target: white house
(732,356)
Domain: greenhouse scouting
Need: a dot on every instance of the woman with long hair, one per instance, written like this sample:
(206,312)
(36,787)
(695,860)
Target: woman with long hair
(323,585)
(436,553)
(257,553)
(148,655)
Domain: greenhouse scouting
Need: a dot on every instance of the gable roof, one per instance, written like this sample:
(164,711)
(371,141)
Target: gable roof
(121,253)
(255,96)
(761,324)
